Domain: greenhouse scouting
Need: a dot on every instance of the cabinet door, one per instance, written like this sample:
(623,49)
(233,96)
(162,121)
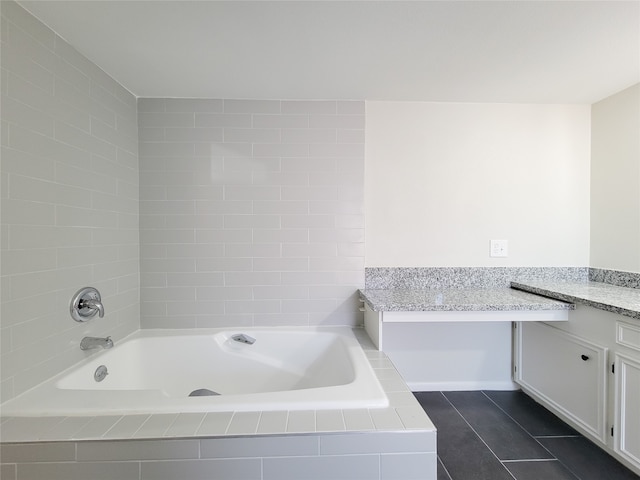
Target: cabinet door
(566,372)
(627,437)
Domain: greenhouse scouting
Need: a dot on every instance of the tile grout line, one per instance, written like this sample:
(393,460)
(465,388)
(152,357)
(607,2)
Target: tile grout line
(446,470)
(517,423)
(522,427)
(478,435)
(570,470)
(531,460)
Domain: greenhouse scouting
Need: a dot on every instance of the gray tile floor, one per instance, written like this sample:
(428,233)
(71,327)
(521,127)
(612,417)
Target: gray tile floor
(505,435)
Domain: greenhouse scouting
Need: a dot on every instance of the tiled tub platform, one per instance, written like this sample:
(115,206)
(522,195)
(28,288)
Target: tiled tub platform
(398,442)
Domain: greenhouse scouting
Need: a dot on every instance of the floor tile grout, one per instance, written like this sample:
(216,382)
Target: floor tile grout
(530,460)
(534,437)
(477,434)
(444,468)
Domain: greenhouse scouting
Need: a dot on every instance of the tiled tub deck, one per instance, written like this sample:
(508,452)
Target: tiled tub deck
(398,442)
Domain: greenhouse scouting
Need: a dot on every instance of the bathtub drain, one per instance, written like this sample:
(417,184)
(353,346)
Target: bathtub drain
(100,373)
(203,392)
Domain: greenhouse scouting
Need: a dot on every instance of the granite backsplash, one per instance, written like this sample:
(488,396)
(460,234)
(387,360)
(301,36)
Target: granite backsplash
(419,278)
(615,277)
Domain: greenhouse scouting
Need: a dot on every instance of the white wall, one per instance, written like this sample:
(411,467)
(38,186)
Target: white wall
(441,180)
(69,196)
(251,212)
(615,182)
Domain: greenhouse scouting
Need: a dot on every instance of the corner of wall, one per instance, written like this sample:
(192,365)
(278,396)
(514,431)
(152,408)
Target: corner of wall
(70,201)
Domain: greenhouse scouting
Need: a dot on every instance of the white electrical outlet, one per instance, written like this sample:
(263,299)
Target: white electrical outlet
(499,248)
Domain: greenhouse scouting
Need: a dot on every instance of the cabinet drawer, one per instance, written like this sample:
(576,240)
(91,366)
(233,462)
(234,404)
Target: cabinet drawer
(567,372)
(628,335)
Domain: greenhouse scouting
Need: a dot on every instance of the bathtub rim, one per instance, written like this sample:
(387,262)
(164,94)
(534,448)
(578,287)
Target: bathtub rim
(404,414)
(260,402)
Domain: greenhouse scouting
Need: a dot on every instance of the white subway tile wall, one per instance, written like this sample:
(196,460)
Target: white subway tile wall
(251,212)
(69,192)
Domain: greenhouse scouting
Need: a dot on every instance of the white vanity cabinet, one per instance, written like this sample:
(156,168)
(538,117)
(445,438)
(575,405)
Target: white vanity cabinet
(567,372)
(587,371)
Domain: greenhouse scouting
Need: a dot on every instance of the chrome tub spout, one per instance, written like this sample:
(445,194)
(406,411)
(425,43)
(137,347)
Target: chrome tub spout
(87,343)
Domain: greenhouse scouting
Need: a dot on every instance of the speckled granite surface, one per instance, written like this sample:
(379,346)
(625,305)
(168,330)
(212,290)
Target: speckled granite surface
(612,298)
(458,299)
(615,277)
(418,278)
(487,288)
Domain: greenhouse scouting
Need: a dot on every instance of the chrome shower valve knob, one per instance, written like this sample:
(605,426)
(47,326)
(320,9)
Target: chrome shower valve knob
(85,304)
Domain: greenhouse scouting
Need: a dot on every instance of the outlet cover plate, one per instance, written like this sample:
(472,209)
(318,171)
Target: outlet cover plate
(499,248)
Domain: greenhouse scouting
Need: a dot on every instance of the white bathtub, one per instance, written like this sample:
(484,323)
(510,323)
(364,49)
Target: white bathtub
(154,371)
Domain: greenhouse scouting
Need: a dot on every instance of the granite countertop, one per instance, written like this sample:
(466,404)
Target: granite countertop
(458,299)
(612,298)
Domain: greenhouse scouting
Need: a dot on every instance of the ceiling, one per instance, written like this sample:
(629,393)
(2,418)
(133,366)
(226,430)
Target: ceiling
(442,51)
